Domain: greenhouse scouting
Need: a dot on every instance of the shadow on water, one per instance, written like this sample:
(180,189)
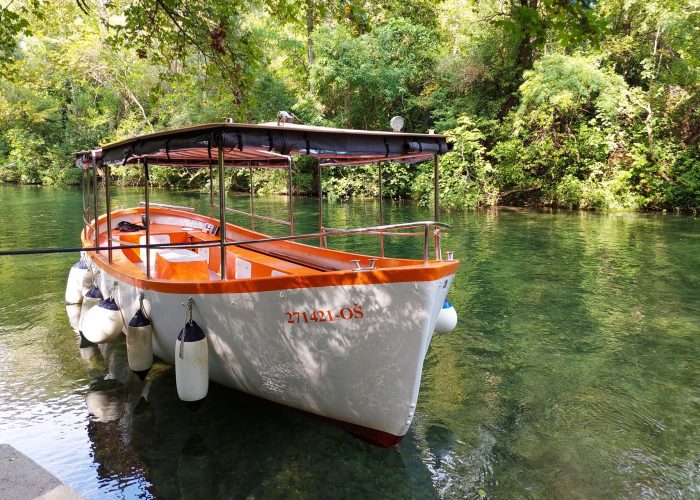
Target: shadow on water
(573,372)
(233,446)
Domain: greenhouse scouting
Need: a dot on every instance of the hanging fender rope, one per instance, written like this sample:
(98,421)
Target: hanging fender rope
(188,322)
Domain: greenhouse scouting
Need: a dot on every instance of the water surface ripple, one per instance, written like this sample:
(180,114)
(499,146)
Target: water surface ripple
(573,372)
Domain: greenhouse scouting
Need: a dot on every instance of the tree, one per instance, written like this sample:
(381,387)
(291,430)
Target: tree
(362,81)
(14,22)
(170,31)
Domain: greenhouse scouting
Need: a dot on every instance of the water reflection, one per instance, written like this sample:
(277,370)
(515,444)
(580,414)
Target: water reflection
(234,446)
(573,372)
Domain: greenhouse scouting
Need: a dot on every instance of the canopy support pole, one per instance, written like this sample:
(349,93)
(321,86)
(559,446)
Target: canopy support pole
(252,202)
(322,241)
(83,191)
(108,208)
(147,223)
(381,212)
(87,207)
(291,197)
(436,178)
(211,188)
(436,192)
(94,196)
(222,210)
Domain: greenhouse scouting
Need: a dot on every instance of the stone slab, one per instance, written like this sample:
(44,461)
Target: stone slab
(22,478)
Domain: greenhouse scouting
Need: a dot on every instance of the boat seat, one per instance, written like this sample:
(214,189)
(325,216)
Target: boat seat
(181,265)
(243,263)
(200,264)
(160,234)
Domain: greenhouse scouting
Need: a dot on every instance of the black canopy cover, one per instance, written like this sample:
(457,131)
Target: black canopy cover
(267,145)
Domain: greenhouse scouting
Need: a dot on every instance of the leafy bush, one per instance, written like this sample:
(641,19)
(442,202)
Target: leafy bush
(684,193)
(568,142)
(25,161)
(364,80)
(466,176)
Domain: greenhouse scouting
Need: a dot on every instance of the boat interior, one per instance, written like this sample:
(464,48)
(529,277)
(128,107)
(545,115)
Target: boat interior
(200,263)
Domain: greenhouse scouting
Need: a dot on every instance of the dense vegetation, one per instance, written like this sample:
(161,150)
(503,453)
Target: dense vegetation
(548,102)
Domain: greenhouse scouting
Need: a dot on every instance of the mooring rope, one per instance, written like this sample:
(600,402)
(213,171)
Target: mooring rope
(37,251)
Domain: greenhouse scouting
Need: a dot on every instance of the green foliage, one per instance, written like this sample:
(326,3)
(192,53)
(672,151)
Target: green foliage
(547,102)
(567,140)
(24,162)
(466,176)
(561,89)
(570,23)
(14,23)
(342,183)
(363,81)
(685,191)
(170,31)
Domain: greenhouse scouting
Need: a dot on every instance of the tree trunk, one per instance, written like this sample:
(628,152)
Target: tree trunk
(310,30)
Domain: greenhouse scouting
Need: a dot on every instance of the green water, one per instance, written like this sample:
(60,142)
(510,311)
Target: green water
(574,371)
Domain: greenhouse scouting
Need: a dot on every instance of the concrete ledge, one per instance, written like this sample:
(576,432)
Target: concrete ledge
(22,478)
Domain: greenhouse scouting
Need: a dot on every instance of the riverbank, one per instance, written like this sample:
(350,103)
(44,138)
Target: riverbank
(332,193)
(22,478)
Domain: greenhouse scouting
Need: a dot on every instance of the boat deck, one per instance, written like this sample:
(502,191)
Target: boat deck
(194,264)
(266,265)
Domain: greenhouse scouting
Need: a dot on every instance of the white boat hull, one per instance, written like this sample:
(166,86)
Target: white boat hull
(362,367)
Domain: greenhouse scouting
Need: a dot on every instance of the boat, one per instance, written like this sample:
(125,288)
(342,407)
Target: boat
(335,334)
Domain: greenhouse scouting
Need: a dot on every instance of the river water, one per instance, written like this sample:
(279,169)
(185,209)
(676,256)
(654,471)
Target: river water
(574,371)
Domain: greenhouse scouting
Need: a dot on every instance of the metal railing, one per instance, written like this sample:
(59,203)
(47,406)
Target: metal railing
(256,216)
(163,205)
(426,225)
(379,233)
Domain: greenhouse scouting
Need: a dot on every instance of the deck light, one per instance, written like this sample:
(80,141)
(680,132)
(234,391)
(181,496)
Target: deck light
(396,123)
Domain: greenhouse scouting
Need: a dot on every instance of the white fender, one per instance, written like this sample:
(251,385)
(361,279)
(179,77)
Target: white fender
(139,344)
(73,312)
(79,280)
(191,363)
(90,300)
(447,318)
(103,323)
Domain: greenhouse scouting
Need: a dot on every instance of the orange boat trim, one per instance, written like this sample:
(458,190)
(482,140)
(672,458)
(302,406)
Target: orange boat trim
(430,271)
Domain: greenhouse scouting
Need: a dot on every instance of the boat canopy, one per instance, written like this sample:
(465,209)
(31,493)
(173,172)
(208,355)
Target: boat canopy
(267,145)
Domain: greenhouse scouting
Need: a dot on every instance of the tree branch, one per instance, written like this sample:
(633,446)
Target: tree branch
(519,190)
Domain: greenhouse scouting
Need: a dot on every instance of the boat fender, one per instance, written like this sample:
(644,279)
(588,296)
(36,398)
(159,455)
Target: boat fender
(94,294)
(103,323)
(192,364)
(79,280)
(447,318)
(90,300)
(139,344)
(73,312)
